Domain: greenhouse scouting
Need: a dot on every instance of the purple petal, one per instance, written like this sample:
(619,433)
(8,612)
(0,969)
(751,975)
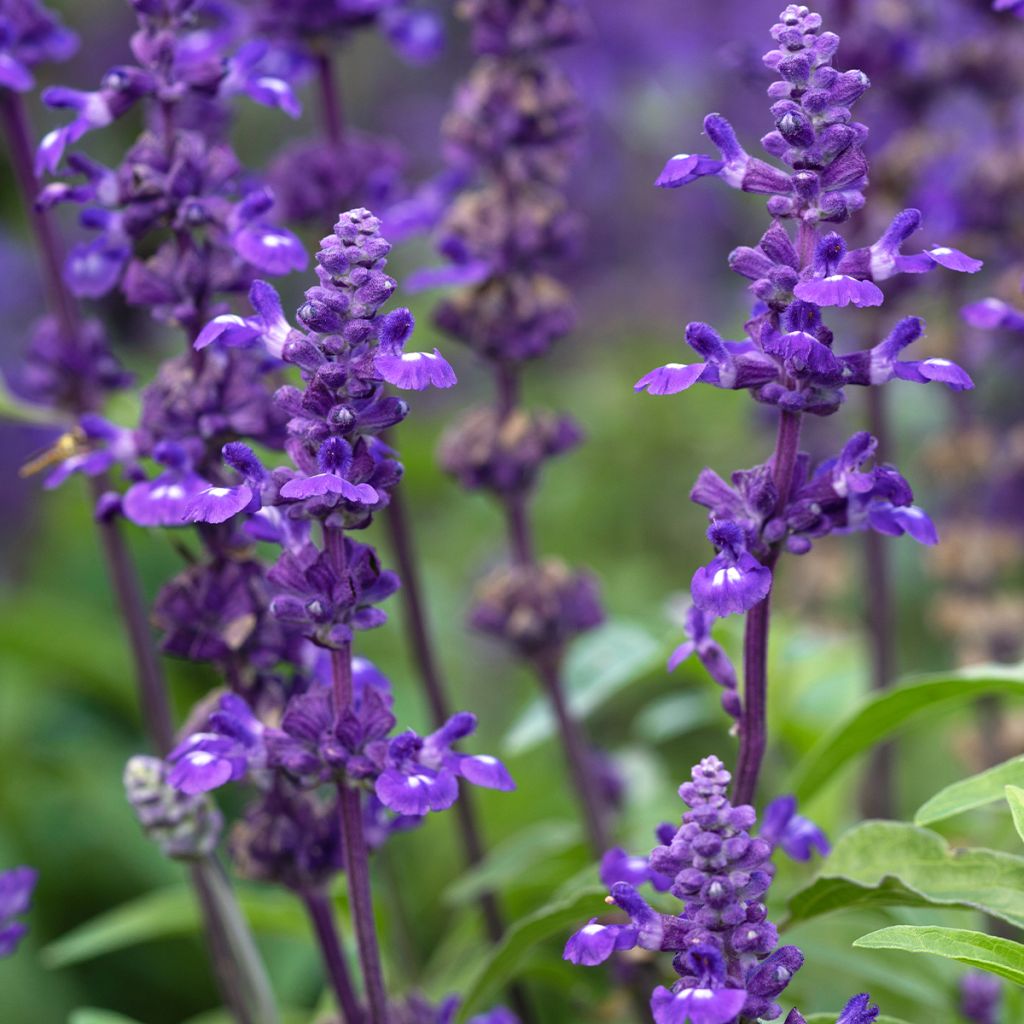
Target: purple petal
(725,589)
(484,770)
(670,379)
(895,520)
(697,1005)
(199,771)
(680,654)
(838,290)
(270,249)
(946,372)
(416,794)
(686,167)
(594,943)
(11,934)
(163,501)
(228,329)
(414,371)
(329,483)
(14,75)
(16,887)
(992,313)
(218,504)
(273,92)
(93,268)
(858,1011)
(954,259)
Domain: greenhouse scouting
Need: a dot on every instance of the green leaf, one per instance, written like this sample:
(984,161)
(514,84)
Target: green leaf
(984,788)
(170,911)
(515,856)
(675,715)
(1015,798)
(500,967)
(889,863)
(894,711)
(984,952)
(165,913)
(599,664)
(90,1015)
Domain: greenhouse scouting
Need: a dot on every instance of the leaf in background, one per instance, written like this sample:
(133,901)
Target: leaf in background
(984,788)
(90,1015)
(501,965)
(510,859)
(164,913)
(984,952)
(156,915)
(675,715)
(893,711)
(599,664)
(1015,798)
(889,863)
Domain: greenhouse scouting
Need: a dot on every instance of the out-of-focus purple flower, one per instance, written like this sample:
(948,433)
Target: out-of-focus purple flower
(710,654)
(29,35)
(16,888)
(165,500)
(798,836)
(980,996)
(618,866)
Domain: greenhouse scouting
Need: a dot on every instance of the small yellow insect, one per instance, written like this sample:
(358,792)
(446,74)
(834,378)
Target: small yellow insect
(74,442)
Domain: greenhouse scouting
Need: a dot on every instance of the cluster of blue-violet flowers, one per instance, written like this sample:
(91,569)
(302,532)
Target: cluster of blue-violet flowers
(512,129)
(316,740)
(789,357)
(726,955)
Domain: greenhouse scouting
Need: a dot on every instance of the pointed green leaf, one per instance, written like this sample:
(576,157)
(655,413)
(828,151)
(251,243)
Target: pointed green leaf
(984,788)
(599,664)
(887,714)
(889,863)
(515,856)
(561,916)
(1015,798)
(90,1015)
(984,952)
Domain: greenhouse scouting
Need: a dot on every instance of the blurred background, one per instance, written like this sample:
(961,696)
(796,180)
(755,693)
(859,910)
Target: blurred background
(945,116)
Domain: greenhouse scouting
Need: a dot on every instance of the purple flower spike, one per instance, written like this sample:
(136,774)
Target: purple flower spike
(594,943)
(671,378)
(734,581)
(697,1005)
(16,888)
(798,836)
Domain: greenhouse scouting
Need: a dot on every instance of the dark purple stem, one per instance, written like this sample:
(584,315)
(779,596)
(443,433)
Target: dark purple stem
(753,724)
(877,796)
(322,917)
(433,686)
(548,664)
(357,858)
(237,968)
(330,99)
(574,746)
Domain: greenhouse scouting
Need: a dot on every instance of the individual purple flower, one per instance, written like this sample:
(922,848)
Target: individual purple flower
(334,460)
(411,371)
(595,942)
(798,836)
(217,504)
(707,1000)
(248,73)
(733,581)
(990,314)
(29,35)
(166,499)
(711,655)
(619,866)
(857,1011)
(230,748)
(16,888)
(269,248)
(267,326)
(827,287)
